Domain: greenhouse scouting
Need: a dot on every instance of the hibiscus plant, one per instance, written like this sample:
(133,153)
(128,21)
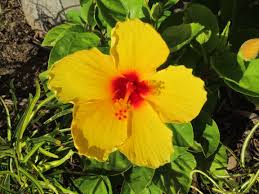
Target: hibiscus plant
(128,100)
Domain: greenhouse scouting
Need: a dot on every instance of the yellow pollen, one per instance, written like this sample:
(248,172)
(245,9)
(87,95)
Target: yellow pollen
(157,86)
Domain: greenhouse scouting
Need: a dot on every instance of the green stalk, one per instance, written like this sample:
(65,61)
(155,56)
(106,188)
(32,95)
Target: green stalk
(209,178)
(33,150)
(56,163)
(33,180)
(26,120)
(8,119)
(251,182)
(47,153)
(245,144)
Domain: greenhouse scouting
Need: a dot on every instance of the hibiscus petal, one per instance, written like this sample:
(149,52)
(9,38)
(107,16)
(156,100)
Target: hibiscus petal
(180,95)
(150,141)
(250,49)
(84,74)
(137,46)
(96,127)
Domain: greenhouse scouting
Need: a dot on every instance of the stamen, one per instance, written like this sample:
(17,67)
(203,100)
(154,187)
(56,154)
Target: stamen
(121,109)
(157,86)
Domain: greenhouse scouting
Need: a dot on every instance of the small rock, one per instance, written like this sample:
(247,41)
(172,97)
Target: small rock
(41,14)
(232,163)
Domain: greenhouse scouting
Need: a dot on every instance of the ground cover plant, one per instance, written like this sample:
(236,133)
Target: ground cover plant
(205,52)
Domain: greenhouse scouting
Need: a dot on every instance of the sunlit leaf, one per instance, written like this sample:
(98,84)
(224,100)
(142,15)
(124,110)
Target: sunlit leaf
(182,134)
(72,42)
(176,177)
(138,178)
(206,133)
(56,33)
(178,36)
(94,185)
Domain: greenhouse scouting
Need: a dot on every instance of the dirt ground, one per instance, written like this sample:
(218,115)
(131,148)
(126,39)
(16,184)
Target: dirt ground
(22,59)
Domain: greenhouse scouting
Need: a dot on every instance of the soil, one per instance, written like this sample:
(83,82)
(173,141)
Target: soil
(21,57)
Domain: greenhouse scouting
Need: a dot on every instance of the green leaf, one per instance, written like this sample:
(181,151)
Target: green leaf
(150,189)
(138,178)
(116,164)
(74,16)
(156,11)
(176,177)
(204,16)
(170,3)
(216,163)
(236,75)
(135,8)
(94,185)
(206,133)
(201,14)
(56,33)
(88,12)
(72,42)
(250,78)
(219,163)
(180,35)
(111,11)
(182,134)
(178,151)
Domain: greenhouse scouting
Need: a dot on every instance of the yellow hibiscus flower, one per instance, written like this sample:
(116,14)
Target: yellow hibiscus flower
(121,102)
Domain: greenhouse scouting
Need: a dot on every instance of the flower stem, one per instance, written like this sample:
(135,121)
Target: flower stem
(245,144)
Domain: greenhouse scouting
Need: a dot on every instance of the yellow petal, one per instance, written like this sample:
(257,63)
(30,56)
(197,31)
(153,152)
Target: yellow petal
(178,95)
(137,46)
(98,126)
(84,74)
(250,49)
(83,147)
(150,141)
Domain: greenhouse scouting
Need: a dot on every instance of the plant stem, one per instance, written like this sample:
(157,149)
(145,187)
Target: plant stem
(251,182)
(210,179)
(8,120)
(245,144)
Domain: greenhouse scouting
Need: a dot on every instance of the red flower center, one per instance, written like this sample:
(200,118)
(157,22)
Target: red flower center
(130,88)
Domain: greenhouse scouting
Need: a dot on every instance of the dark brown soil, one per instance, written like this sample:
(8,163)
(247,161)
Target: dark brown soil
(21,57)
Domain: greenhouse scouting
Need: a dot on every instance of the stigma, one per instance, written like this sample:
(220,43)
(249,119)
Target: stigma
(130,90)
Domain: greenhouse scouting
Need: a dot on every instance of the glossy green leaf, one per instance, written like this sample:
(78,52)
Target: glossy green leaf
(206,133)
(116,164)
(176,177)
(216,163)
(88,12)
(150,189)
(201,14)
(138,178)
(250,78)
(58,32)
(178,151)
(170,3)
(93,185)
(182,134)
(135,8)
(74,16)
(180,35)
(111,11)
(236,75)
(219,162)
(72,42)
(156,11)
